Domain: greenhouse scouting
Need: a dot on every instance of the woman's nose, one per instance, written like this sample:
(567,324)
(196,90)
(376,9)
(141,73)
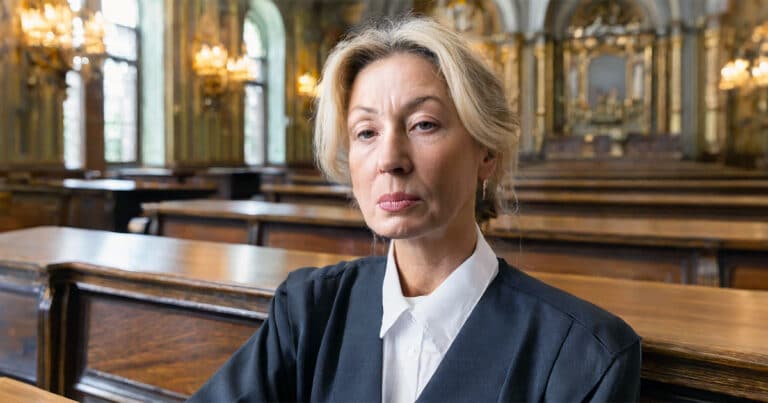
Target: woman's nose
(394,154)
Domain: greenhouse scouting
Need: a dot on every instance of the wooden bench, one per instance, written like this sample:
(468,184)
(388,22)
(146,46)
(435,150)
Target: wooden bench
(316,194)
(314,228)
(627,168)
(137,317)
(706,252)
(645,204)
(660,202)
(230,182)
(149,318)
(106,204)
(702,186)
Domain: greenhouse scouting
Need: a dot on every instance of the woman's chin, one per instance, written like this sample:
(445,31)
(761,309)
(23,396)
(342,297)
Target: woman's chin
(398,228)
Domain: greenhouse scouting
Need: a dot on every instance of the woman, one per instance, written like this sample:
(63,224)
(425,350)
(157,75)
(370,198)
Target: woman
(422,131)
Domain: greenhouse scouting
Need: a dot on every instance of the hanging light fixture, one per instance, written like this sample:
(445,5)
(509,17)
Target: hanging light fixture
(751,69)
(217,70)
(54,37)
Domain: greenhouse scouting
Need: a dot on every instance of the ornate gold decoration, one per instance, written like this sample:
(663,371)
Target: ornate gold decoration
(55,38)
(751,68)
(607,32)
(217,69)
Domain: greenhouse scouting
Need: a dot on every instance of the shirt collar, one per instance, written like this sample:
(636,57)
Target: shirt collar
(444,311)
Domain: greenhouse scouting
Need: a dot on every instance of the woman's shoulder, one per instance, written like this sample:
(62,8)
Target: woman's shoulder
(310,275)
(326,282)
(588,320)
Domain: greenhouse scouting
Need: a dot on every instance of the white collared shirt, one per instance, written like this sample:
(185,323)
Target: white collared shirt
(418,331)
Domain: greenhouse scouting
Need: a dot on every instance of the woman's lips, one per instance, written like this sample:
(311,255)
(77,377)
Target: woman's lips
(397,201)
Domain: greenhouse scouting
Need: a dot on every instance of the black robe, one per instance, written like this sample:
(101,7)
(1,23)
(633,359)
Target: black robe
(524,341)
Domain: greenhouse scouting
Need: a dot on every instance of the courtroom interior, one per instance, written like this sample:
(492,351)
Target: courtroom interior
(158,181)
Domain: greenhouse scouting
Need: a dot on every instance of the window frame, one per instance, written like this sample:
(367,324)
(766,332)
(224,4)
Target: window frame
(136,160)
(262,60)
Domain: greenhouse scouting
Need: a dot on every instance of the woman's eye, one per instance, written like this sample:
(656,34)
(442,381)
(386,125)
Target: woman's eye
(364,134)
(425,126)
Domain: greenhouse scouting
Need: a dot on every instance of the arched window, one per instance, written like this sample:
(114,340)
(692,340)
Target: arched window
(255,98)
(121,133)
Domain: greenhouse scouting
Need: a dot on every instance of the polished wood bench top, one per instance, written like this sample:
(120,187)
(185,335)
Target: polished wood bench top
(259,210)
(722,327)
(712,319)
(158,257)
(641,184)
(750,235)
(12,391)
(638,169)
(532,195)
(638,198)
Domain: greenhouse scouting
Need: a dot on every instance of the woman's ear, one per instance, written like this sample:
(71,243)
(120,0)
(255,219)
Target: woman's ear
(487,165)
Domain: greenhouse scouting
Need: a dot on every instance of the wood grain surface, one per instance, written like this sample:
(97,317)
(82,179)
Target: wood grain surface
(18,334)
(710,339)
(260,210)
(722,331)
(150,256)
(17,392)
(667,231)
(157,345)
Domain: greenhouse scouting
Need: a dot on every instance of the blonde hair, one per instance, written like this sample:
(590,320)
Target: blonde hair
(476,92)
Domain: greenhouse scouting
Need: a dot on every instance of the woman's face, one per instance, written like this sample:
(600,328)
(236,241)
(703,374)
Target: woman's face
(414,167)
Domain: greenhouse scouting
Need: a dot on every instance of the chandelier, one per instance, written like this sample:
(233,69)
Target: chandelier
(217,70)
(750,70)
(55,37)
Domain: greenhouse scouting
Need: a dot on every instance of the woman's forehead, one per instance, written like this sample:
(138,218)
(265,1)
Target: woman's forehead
(403,79)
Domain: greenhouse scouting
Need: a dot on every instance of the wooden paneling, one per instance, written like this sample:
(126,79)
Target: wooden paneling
(203,229)
(93,210)
(159,346)
(346,241)
(18,335)
(639,263)
(745,269)
(94,204)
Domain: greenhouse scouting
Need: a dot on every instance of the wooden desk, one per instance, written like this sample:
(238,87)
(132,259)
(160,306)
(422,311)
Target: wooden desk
(106,204)
(314,228)
(230,182)
(662,201)
(16,392)
(317,194)
(706,252)
(700,186)
(645,204)
(159,315)
(692,336)
(109,316)
(627,168)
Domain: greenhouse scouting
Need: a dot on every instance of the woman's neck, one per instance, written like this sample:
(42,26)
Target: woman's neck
(424,263)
